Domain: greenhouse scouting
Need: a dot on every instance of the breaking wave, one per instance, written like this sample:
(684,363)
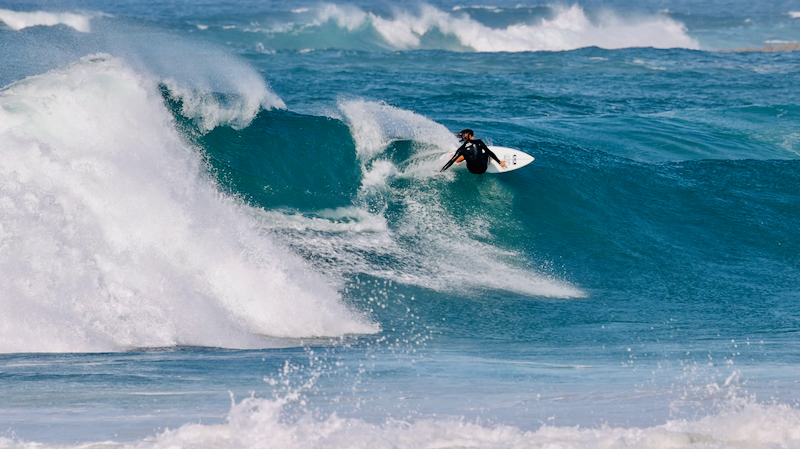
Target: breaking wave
(113,236)
(555,29)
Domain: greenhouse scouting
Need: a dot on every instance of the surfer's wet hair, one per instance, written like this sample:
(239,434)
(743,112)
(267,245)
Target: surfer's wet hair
(464,133)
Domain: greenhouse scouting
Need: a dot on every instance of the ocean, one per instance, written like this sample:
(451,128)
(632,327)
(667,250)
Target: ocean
(222,224)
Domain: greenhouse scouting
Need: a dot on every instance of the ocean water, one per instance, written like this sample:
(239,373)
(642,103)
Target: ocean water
(221,224)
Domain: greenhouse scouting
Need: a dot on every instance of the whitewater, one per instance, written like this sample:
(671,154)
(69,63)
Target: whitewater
(223,225)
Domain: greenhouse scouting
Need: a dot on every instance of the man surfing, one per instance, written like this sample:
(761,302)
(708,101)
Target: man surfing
(475,152)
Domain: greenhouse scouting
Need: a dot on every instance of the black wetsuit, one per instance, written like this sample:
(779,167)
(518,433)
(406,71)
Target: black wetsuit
(477,155)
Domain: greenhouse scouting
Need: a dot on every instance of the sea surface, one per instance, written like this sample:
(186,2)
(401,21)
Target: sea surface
(222,224)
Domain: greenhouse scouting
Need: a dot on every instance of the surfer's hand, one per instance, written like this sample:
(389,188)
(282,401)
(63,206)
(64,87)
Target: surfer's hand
(503,164)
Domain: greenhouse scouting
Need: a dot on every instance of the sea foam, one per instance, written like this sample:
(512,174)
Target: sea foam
(113,236)
(263,423)
(257,423)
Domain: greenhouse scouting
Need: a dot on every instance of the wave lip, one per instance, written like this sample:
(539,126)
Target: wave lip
(21,20)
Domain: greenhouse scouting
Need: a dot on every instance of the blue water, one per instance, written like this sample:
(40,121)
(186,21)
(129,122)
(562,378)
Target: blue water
(221,224)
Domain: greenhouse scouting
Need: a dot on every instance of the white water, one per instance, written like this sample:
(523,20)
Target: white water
(251,95)
(262,423)
(18,20)
(113,237)
(568,29)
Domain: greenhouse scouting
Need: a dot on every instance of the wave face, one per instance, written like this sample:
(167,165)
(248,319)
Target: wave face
(359,196)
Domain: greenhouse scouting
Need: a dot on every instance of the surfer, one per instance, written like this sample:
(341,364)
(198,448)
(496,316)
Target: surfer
(475,152)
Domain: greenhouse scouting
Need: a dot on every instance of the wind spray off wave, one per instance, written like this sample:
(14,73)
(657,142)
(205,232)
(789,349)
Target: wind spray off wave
(113,237)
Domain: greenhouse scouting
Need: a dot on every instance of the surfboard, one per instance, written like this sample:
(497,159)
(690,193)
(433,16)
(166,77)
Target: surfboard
(514,159)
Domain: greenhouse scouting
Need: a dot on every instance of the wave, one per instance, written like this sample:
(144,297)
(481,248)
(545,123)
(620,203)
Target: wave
(19,20)
(393,218)
(263,423)
(561,28)
(114,237)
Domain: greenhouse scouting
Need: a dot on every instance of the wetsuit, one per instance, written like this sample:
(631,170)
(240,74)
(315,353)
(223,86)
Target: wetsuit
(477,155)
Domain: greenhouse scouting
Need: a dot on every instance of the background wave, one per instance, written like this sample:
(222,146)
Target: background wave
(504,27)
(514,30)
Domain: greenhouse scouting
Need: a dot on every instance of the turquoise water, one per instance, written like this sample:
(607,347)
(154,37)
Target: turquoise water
(221,225)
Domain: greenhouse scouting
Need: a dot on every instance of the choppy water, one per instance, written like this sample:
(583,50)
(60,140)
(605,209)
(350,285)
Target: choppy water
(221,225)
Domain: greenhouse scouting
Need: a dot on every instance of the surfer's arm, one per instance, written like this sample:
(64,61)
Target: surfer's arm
(453,159)
(492,155)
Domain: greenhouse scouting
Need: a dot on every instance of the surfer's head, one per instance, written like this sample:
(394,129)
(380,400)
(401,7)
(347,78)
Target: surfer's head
(465,135)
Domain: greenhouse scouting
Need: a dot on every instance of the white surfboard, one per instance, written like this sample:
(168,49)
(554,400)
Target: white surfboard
(514,159)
